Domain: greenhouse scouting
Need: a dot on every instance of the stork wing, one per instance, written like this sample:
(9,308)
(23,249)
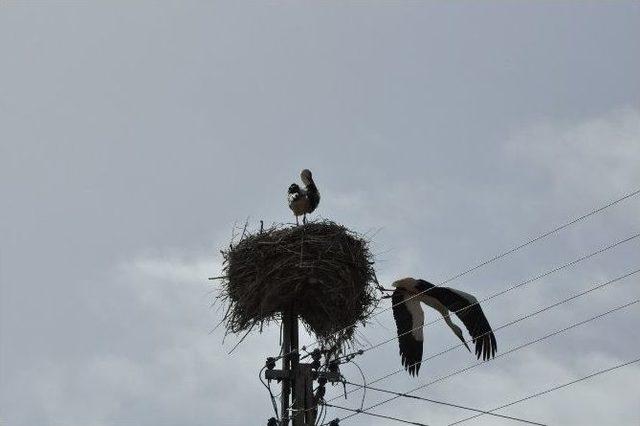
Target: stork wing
(409,321)
(293,193)
(467,308)
(292,197)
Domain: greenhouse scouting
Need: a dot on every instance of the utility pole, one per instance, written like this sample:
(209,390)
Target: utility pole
(287,328)
(297,378)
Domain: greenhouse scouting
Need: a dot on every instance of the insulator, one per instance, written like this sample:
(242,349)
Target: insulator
(316,354)
(271,363)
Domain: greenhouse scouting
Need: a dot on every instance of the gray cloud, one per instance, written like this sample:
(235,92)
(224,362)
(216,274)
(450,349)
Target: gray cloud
(132,139)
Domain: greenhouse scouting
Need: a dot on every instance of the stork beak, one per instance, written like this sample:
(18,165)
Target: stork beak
(465,343)
(461,337)
(467,346)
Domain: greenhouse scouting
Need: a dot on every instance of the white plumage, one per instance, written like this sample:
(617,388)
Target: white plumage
(409,318)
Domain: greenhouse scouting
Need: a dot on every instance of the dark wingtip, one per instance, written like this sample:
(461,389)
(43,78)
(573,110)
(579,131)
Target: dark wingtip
(495,344)
(412,368)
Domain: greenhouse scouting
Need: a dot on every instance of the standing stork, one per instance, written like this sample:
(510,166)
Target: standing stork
(409,318)
(303,200)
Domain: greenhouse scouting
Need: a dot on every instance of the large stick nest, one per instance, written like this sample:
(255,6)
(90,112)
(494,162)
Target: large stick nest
(320,271)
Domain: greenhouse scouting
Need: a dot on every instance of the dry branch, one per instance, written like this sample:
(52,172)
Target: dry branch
(321,271)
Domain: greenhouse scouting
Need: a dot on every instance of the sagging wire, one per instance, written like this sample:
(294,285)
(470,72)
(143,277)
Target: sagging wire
(319,415)
(364,383)
(333,365)
(270,364)
(318,395)
(320,390)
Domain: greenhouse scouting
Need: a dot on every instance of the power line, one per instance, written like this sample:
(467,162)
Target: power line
(448,404)
(535,395)
(505,253)
(508,289)
(518,247)
(364,381)
(462,370)
(508,324)
(382,416)
(268,387)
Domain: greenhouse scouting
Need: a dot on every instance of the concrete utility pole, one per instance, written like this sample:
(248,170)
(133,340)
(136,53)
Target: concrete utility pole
(297,378)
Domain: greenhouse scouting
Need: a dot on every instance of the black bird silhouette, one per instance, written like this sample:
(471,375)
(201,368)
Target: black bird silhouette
(409,318)
(303,200)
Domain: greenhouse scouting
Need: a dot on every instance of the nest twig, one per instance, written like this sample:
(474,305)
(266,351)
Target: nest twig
(321,271)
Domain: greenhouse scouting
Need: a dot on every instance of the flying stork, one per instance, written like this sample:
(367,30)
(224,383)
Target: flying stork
(303,200)
(409,317)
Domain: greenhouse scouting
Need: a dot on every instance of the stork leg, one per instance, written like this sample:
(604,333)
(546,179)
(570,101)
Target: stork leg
(304,218)
(297,223)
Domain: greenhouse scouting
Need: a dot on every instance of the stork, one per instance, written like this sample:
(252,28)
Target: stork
(303,200)
(409,317)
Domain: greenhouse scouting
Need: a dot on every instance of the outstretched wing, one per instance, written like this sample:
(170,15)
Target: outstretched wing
(409,321)
(467,308)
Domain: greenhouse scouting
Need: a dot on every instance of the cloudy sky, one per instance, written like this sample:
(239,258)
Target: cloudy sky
(133,136)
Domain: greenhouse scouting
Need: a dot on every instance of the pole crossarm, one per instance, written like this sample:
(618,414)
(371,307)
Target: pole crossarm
(298,402)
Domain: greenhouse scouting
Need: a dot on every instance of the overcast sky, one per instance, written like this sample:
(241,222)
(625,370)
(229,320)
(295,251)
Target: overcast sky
(133,136)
